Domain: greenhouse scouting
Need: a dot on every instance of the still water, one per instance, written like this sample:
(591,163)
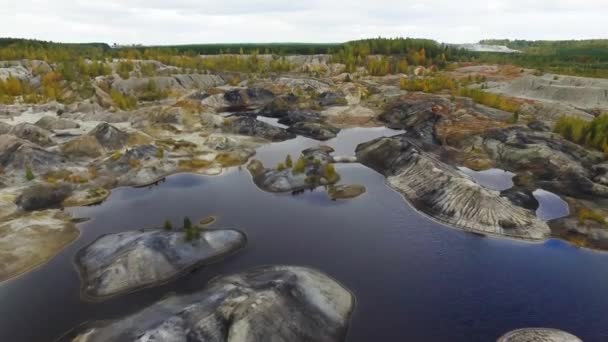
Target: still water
(414,279)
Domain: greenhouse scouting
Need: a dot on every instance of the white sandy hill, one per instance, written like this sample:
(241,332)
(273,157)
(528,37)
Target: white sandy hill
(581,92)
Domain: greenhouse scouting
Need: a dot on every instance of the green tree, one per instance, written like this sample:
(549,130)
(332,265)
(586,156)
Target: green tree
(29,174)
(168,225)
(288,162)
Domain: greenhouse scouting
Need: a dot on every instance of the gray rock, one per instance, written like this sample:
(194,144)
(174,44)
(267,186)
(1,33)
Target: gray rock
(39,197)
(538,335)
(330,98)
(18,154)
(51,123)
(5,128)
(243,98)
(446,194)
(246,125)
(276,303)
(85,146)
(315,130)
(128,261)
(295,116)
(110,137)
(33,133)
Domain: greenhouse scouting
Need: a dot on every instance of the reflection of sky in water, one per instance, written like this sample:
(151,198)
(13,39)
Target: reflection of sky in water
(550,206)
(496,179)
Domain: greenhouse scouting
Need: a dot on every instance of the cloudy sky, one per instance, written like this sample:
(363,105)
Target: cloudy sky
(203,21)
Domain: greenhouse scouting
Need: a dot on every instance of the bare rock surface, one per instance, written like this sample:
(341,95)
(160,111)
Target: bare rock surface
(128,261)
(538,335)
(447,194)
(29,240)
(251,306)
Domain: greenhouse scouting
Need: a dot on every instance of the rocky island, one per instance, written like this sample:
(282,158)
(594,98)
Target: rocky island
(250,306)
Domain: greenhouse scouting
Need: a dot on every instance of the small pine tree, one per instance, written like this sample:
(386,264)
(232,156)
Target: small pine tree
(299,167)
(187,223)
(288,162)
(280,167)
(168,225)
(29,174)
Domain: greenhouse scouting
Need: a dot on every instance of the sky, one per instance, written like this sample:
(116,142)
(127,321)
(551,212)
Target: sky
(163,22)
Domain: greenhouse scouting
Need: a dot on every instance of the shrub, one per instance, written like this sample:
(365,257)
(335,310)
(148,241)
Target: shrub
(330,173)
(123,101)
(490,99)
(124,69)
(428,84)
(591,215)
(160,154)
(29,174)
(168,225)
(300,166)
(288,162)
(593,134)
(281,167)
(151,92)
(187,223)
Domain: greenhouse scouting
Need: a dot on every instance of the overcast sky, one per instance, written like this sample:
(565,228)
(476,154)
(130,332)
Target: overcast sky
(203,21)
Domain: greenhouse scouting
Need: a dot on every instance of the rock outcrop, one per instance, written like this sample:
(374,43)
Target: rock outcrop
(445,193)
(110,137)
(19,154)
(128,261)
(85,146)
(246,125)
(52,123)
(276,303)
(33,133)
(314,129)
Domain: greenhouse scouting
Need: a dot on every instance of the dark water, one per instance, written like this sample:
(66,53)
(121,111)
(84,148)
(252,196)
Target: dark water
(415,280)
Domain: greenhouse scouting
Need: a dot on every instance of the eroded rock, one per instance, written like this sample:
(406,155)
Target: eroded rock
(128,261)
(446,194)
(250,306)
(538,335)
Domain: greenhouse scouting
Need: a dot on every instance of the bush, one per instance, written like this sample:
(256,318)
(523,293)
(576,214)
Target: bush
(490,99)
(152,93)
(187,223)
(29,174)
(299,167)
(593,134)
(330,173)
(591,215)
(281,167)
(168,225)
(122,101)
(429,84)
(124,69)
(288,162)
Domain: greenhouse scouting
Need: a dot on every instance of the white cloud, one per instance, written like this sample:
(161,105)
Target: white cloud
(205,21)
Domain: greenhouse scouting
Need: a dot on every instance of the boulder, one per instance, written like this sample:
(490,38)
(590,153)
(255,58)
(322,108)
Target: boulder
(128,261)
(243,98)
(110,137)
(52,123)
(330,98)
(251,306)
(40,196)
(315,130)
(295,116)
(446,194)
(33,133)
(86,146)
(18,154)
